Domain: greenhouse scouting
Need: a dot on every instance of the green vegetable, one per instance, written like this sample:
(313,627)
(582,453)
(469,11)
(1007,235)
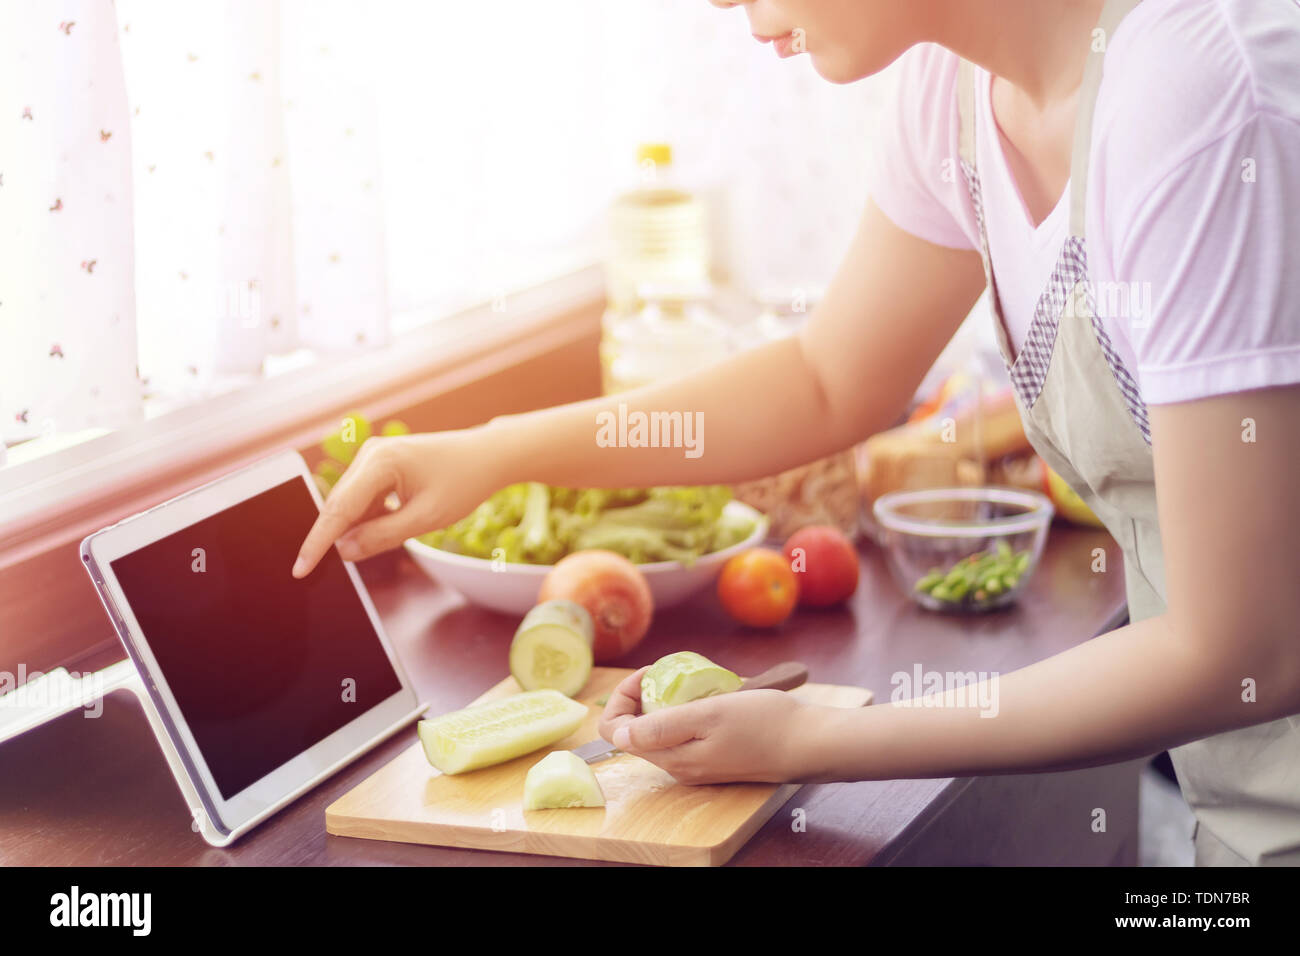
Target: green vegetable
(499,730)
(553,648)
(683,677)
(561,779)
(537,543)
(731,529)
(341,447)
(533,524)
(976,579)
(329,471)
(927,583)
(343,444)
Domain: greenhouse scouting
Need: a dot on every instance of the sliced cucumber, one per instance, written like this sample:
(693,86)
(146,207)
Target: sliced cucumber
(552,648)
(561,779)
(499,730)
(682,677)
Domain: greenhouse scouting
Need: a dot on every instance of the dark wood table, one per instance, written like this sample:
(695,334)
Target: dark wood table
(98,792)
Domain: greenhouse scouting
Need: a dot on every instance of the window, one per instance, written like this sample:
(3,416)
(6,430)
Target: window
(199,197)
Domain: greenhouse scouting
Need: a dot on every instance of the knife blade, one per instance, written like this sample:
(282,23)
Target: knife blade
(784,676)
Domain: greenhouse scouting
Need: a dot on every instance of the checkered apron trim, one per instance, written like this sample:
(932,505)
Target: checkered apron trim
(1029,370)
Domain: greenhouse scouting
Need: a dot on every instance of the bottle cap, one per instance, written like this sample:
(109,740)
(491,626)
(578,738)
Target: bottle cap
(660,154)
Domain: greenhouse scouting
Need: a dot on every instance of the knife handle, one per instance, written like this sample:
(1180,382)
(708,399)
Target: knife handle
(785,676)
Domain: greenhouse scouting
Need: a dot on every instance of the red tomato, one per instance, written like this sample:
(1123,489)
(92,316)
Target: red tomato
(825,563)
(758,588)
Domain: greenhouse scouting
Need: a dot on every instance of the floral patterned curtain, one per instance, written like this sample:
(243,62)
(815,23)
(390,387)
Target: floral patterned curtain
(187,189)
(67,303)
(259,222)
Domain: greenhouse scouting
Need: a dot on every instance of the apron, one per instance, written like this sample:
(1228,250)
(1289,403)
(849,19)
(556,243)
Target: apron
(1084,415)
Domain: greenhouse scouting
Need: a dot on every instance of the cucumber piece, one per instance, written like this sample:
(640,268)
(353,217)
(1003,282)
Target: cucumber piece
(682,677)
(499,730)
(553,648)
(561,779)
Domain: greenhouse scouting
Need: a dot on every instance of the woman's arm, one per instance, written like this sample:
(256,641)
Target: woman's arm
(890,310)
(894,304)
(1230,519)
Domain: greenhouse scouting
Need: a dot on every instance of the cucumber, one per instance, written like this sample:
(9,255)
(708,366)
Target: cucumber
(499,730)
(682,677)
(552,648)
(561,779)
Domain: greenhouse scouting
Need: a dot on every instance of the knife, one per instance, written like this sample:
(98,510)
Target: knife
(786,676)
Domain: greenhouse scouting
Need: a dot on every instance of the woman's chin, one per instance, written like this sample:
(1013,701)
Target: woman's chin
(850,64)
(838,69)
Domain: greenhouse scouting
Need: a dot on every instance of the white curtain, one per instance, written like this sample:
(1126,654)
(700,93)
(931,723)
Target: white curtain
(188,188)
(285,176)
(259,222)
(67,306)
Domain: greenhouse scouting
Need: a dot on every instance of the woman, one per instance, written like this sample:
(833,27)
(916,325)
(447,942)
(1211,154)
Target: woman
(1126,177)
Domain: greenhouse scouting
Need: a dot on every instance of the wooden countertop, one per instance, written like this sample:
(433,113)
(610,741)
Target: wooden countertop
(98,792)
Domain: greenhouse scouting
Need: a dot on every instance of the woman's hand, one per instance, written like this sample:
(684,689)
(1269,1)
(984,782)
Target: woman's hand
(437,478)
(749,736)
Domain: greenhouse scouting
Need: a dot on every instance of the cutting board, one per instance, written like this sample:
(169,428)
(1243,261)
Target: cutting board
(648,817)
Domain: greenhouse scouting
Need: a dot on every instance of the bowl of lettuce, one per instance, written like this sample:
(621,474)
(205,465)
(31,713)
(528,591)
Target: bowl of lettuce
(679,537)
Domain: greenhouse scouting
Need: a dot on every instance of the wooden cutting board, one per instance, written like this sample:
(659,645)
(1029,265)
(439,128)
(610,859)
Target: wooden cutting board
(648,817)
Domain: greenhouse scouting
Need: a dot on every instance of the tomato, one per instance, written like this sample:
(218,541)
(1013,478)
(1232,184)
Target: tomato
(758,588)
(825,564)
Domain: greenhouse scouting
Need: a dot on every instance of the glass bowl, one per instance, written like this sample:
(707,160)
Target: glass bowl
(964,550)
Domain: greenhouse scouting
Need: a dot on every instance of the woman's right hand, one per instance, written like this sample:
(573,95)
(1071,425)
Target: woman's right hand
(437,478)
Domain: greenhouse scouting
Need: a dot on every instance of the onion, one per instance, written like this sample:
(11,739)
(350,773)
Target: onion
(613,591)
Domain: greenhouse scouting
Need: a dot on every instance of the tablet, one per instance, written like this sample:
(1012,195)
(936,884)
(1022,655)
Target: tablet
(258,685)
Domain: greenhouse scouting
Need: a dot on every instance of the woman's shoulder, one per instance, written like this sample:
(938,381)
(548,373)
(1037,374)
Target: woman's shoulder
(1191,86)
(1193,70)
(1192,193)
(923,100)
(914,178)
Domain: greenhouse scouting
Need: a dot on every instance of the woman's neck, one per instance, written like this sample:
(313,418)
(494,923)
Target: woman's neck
(1038,46)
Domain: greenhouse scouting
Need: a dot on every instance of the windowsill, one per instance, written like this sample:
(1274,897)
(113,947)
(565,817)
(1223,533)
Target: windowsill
(458,372)
(41,481)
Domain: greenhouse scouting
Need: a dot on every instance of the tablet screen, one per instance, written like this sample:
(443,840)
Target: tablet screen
(262,666)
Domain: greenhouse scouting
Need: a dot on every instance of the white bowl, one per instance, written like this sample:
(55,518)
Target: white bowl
(512,588)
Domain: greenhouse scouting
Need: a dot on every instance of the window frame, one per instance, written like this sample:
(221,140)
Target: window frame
(33,493)
(465,370)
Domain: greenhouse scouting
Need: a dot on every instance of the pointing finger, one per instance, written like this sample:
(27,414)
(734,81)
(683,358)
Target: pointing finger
(367,480)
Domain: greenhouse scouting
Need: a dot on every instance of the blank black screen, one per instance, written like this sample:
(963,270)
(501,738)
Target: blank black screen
(257,660)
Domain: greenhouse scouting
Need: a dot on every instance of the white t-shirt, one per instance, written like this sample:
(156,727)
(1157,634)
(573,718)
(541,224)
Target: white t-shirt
(1193,211)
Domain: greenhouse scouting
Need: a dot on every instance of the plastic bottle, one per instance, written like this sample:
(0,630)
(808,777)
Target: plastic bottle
(672,330)
(657,232)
